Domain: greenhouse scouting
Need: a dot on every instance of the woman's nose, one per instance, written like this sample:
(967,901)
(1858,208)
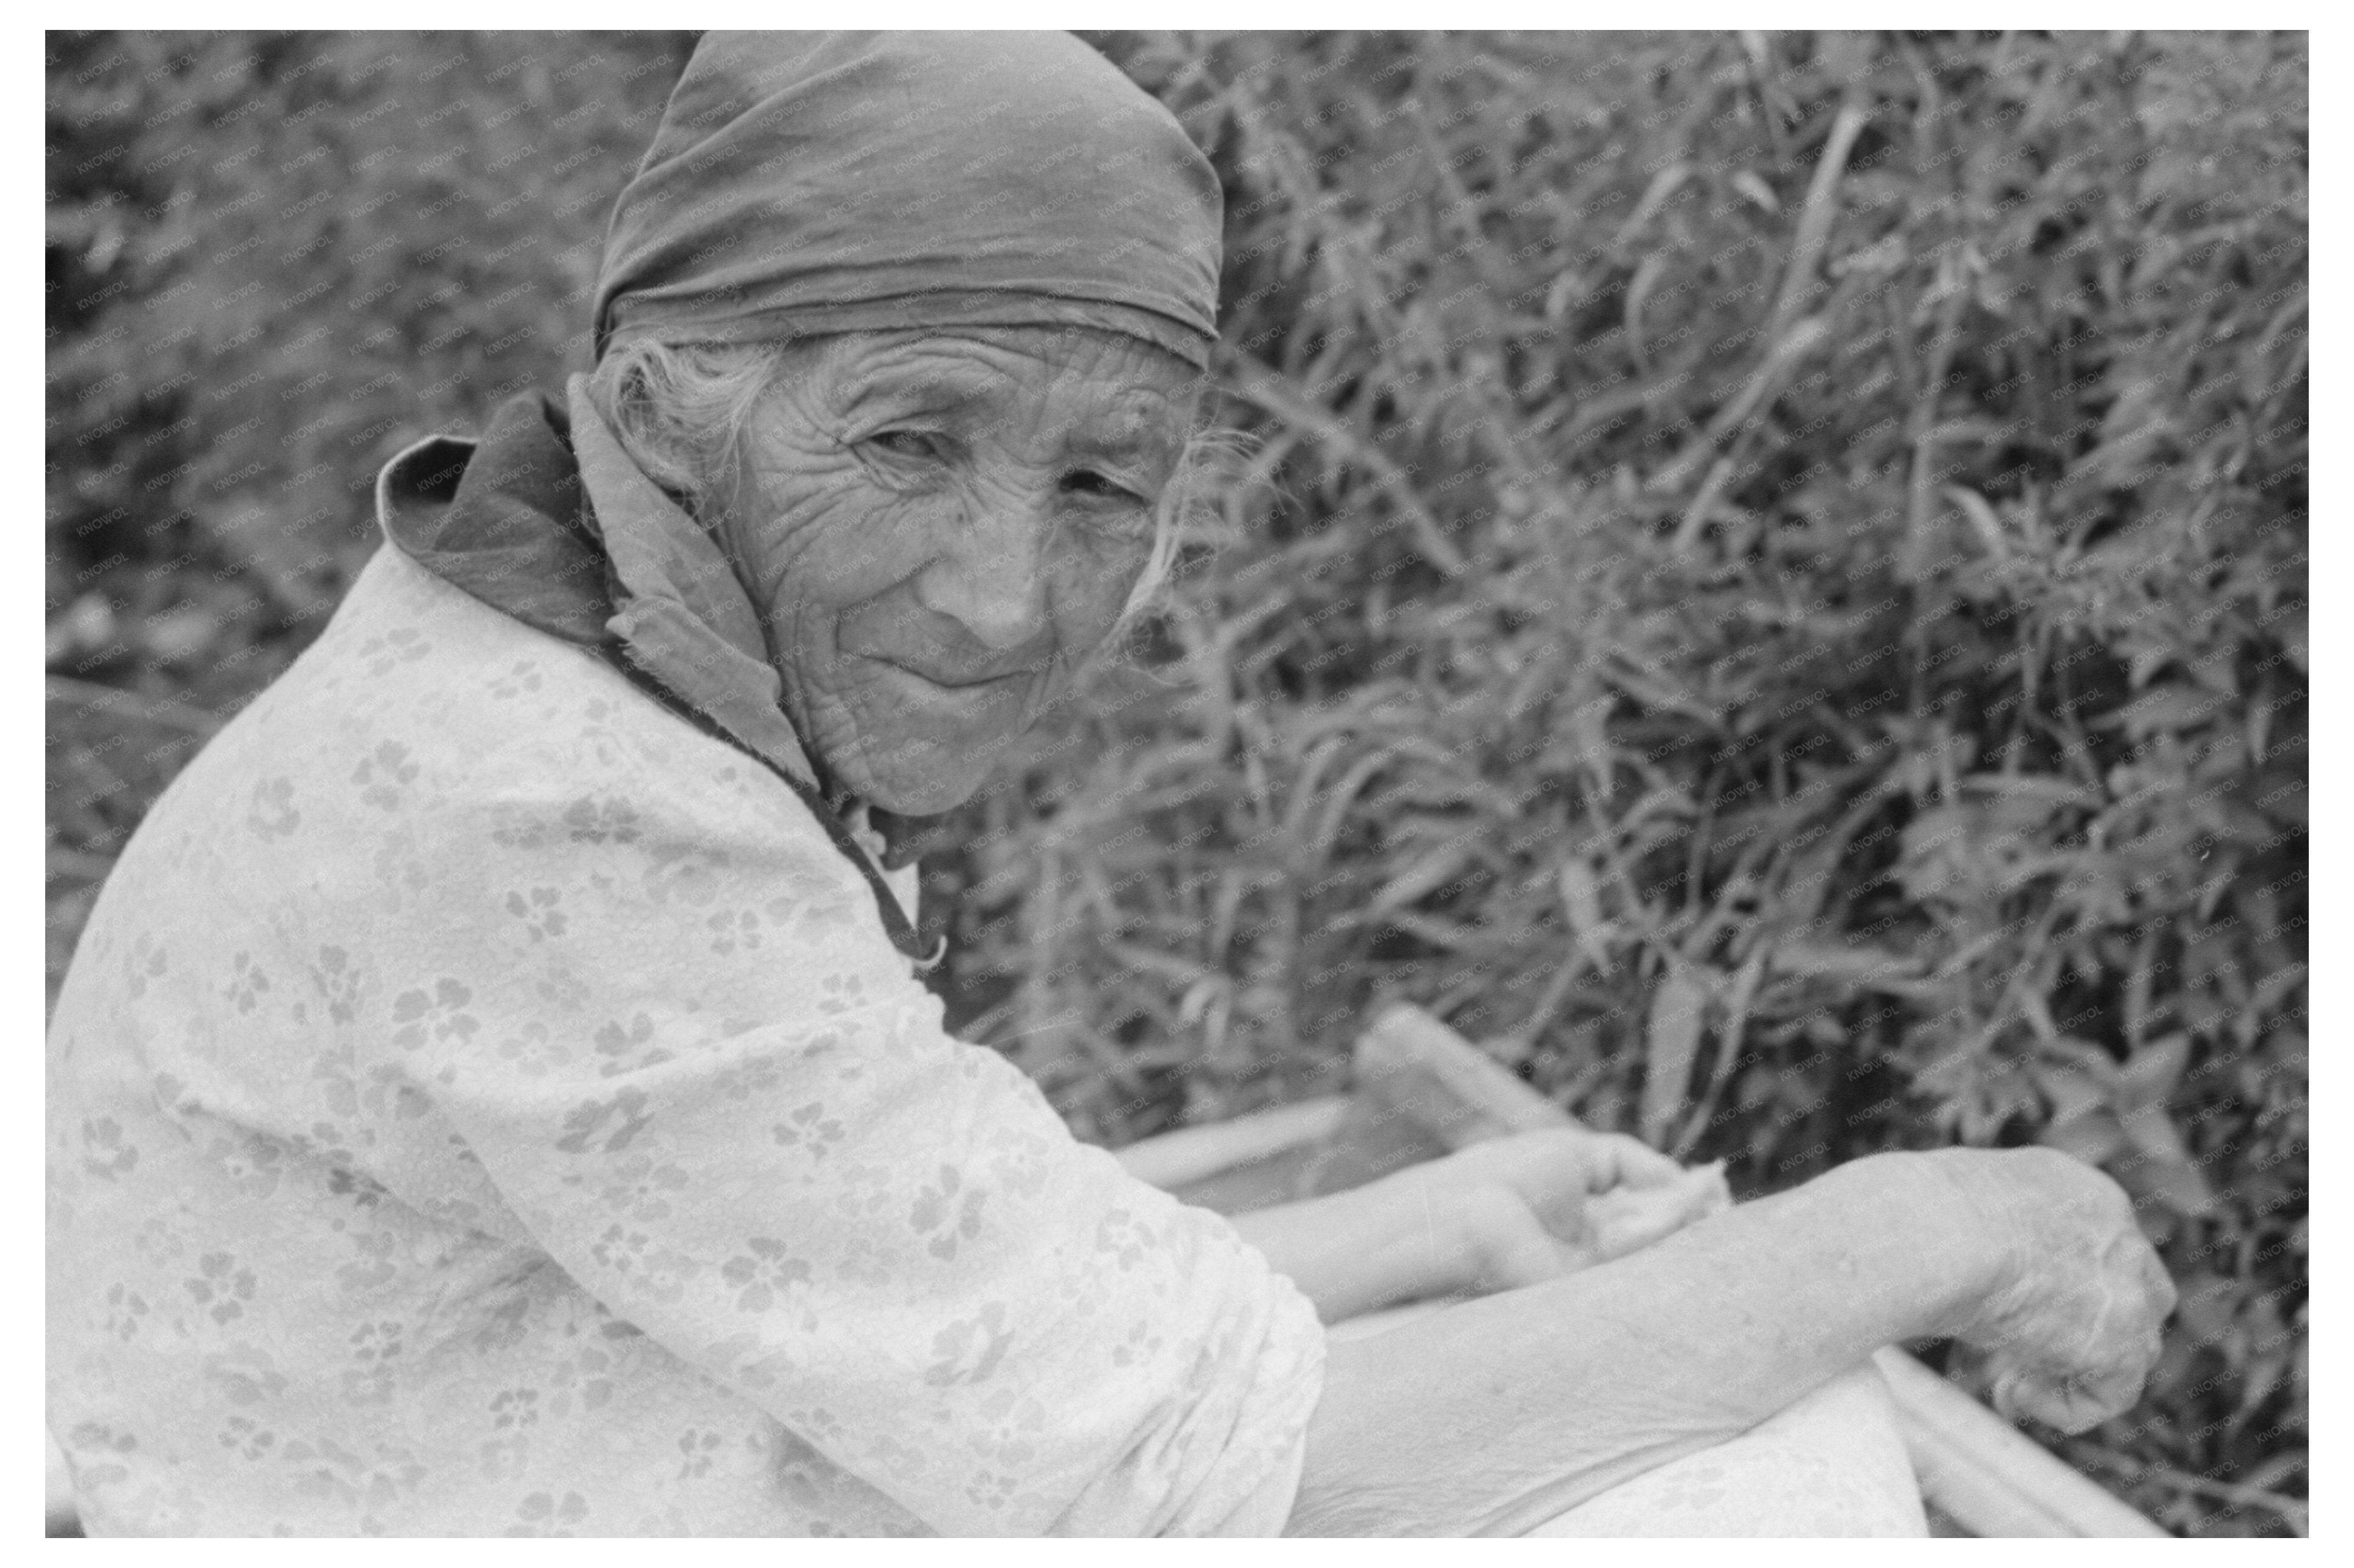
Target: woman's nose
(992,579)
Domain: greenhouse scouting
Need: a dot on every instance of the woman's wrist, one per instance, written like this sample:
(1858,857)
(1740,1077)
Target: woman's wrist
(1943,1202)
(1429,1231)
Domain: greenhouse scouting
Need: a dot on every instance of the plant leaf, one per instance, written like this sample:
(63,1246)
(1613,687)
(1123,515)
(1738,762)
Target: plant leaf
(1672,1039)
(1582,897)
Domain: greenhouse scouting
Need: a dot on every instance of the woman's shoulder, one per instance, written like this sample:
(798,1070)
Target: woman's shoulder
(424,726)
(413,676)
(430,768)
(407,649)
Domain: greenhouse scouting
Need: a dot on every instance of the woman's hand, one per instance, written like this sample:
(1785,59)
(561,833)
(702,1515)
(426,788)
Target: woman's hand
(1537,1205)
(2071,1329)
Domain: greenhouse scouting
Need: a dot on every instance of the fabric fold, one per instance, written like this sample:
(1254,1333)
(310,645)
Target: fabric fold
(681,614)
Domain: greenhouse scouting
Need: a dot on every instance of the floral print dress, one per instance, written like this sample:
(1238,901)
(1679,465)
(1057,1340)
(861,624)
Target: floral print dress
(483,1104)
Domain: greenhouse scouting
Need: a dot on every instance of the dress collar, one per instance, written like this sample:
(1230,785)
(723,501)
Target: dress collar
(548,520)
(680,611)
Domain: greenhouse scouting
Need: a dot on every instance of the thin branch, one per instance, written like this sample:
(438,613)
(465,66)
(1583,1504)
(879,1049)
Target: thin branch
(2298,1512)
(1254,382)
(165,711)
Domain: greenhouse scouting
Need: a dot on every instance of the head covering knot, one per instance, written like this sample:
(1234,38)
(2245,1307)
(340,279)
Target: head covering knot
(809,182)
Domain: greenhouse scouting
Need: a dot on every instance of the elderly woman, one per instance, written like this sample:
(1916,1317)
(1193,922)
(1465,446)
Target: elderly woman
(496,1094)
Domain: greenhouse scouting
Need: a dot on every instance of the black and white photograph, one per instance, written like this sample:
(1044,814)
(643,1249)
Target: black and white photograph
(1199,783)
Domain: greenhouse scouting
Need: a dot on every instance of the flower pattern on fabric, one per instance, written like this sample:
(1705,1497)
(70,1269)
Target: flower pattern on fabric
(482,1116)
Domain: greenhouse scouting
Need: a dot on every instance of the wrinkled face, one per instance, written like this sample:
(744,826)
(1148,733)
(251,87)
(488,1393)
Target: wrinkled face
(940,527)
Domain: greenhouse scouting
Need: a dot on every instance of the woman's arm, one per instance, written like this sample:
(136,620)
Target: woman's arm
(1508,1213)
(717,1099)
(1489,1418)
(1403,1237)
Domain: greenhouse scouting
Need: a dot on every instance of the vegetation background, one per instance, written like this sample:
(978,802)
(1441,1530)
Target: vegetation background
(1772,590)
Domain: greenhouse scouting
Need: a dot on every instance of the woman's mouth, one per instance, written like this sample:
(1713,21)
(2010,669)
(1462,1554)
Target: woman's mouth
(950,687)
(953,681)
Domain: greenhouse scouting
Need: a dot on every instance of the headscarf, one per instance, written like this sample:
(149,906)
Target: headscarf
(804,183)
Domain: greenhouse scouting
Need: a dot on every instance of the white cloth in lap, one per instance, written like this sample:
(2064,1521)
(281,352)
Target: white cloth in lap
(1833,1464)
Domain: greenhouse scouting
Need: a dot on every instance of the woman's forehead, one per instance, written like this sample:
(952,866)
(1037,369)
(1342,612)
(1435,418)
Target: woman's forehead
(1106,387)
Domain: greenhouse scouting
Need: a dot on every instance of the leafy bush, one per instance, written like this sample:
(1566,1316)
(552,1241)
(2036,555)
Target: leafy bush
(1773,596)
(273,261)
(1782,612)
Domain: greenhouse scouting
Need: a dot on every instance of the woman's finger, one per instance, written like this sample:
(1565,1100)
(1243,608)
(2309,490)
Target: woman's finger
(1632,1218)
(1520,1250)
(1617,1160)
(1635,1221)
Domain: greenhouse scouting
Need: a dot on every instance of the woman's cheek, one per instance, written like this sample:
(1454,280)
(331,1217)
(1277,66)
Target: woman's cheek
(1095,588)
(847,544)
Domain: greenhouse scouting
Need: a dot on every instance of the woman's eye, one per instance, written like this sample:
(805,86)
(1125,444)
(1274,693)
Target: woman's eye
(1088,483)
(908,443)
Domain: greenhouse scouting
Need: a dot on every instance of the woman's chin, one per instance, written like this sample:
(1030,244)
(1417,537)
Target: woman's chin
(923,781)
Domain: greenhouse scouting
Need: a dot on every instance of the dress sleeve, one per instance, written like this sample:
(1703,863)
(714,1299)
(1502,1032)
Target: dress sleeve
(716,1097)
